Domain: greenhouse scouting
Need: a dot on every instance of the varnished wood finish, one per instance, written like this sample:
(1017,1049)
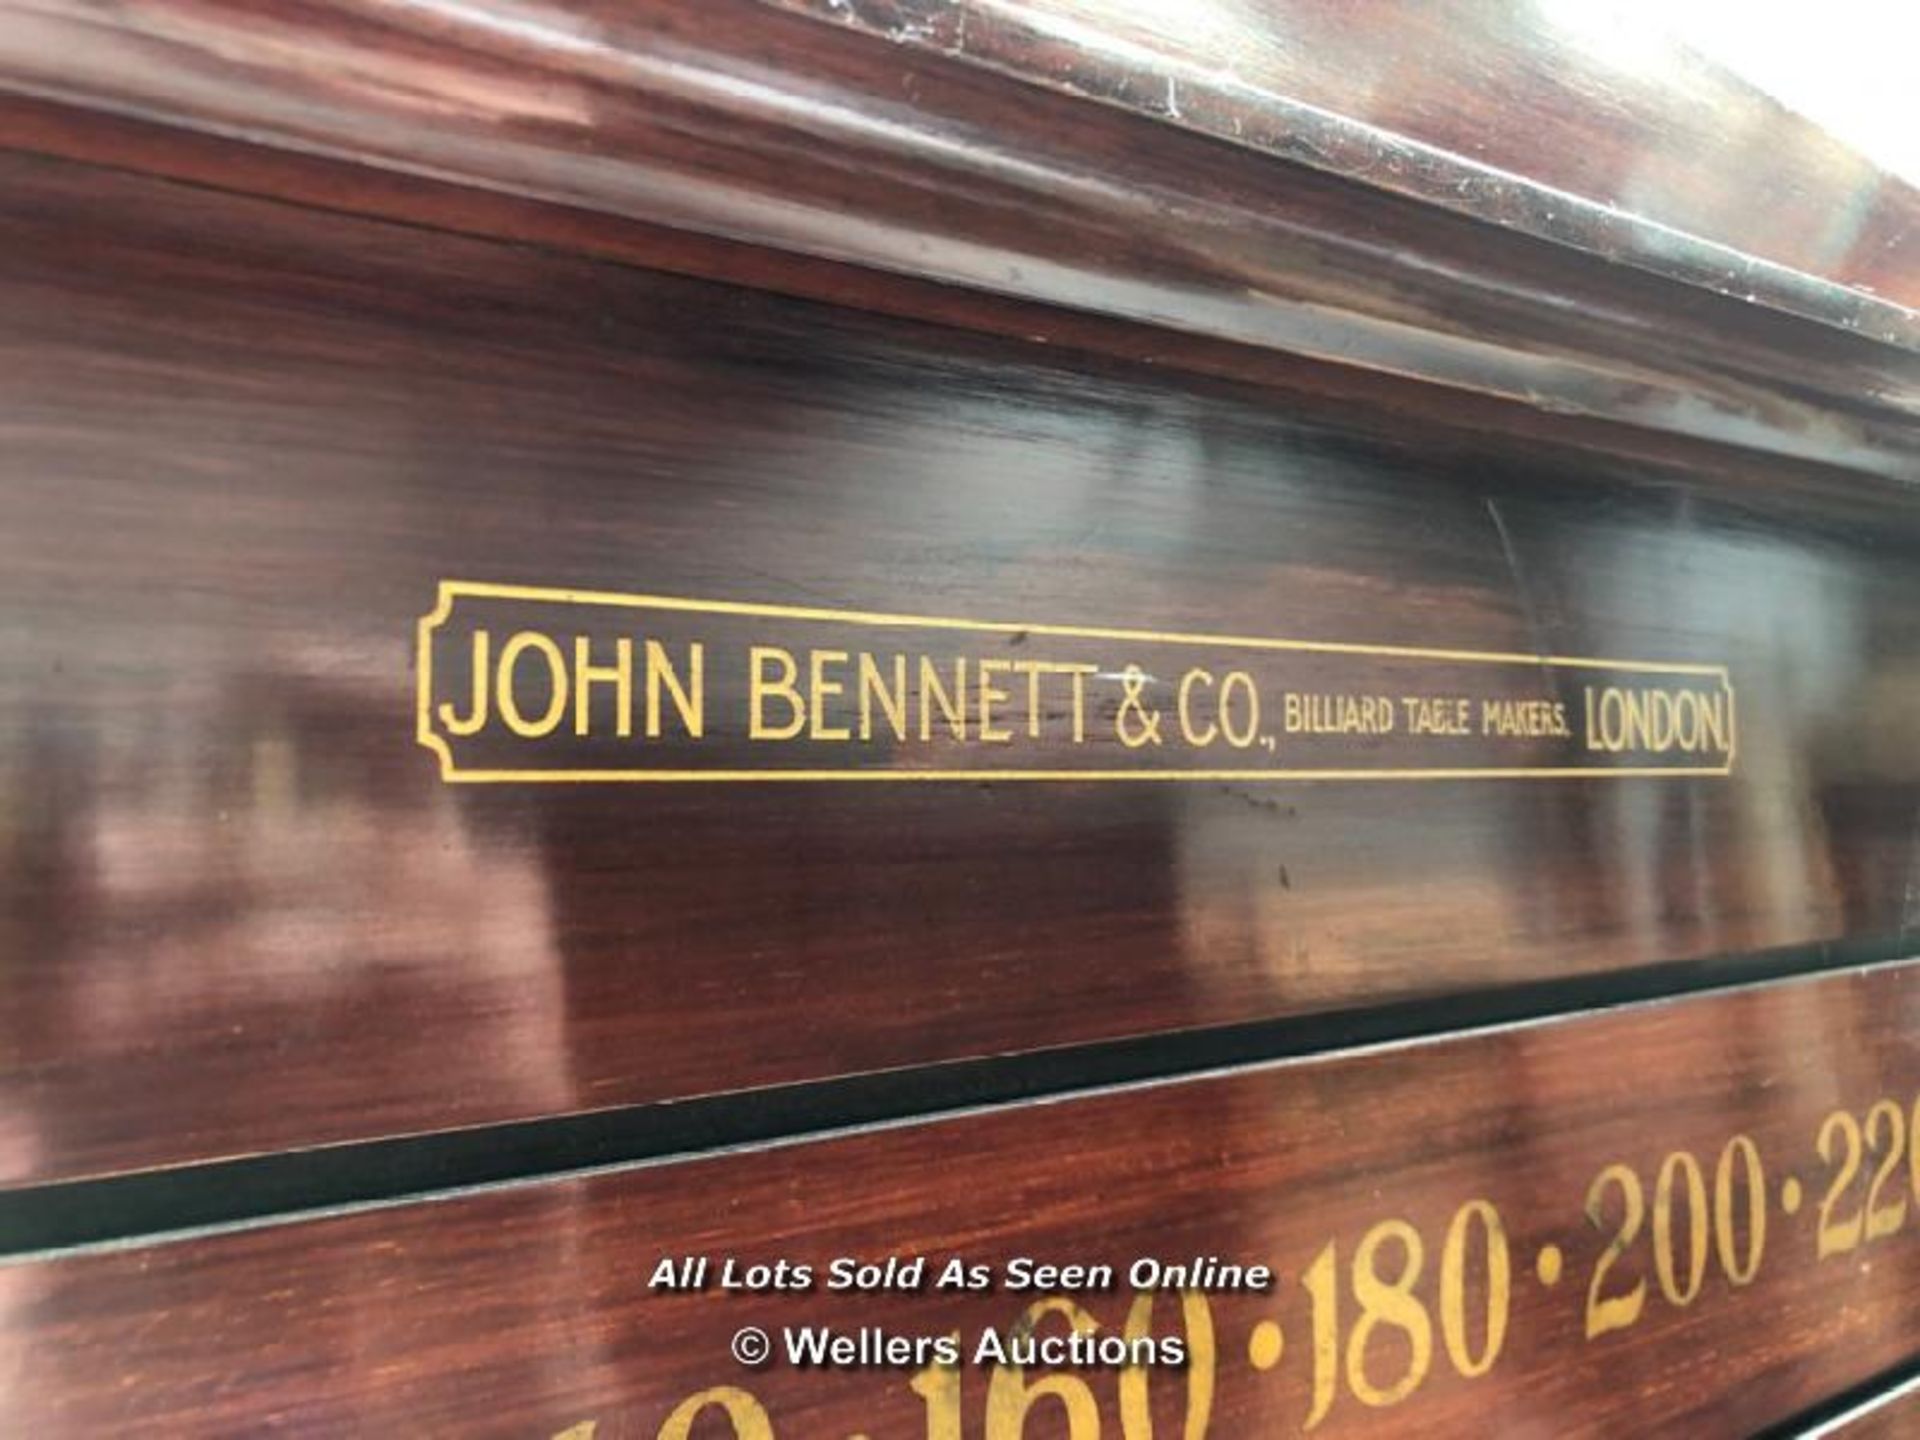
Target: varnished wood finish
(202,158)
(1582,128)
(527,1311)
(900,158)
(247,441)
(1419,351)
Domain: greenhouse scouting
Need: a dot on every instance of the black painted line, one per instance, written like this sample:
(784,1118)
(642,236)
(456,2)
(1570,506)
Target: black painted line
(1833,1415)
(148,1206)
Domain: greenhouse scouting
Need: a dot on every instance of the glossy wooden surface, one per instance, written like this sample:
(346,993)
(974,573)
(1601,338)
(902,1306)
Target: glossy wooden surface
(1422,361)
(246,442)
(528,1311)
(1614,131)
(901,159)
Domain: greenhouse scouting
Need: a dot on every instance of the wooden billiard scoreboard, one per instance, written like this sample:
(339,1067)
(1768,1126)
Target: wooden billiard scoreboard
(726,719)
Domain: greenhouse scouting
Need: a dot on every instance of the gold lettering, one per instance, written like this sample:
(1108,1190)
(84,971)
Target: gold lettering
(953,703)
(1655,721)
(939,1387)
(1437,715)
(820,690)
(1238,682)
(689,699)
(892,703)
(1390,1304)
(964,681)
(1713,721)
(1199,738)
(1136,1404)
(509,704)
(748,1417)
(1010,1396)
(1528,718)
(586,676)
(472,724)
(1325,714)
(1635,727)
(762,686)
(1036,711)
(1033,669)
(990,694)
(1453,1289)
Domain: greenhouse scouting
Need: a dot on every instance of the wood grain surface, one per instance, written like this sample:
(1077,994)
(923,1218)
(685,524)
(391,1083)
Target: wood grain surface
(245,442)
(1609,1159)
(1578,127)
(731,118)
(1401,565)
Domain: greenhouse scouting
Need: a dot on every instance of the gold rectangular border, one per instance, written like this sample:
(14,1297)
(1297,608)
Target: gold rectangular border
(452,590)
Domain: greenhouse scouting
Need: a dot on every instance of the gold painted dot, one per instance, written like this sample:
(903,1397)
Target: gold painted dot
(1265,1344)
(1790,1196)
(1548,1265)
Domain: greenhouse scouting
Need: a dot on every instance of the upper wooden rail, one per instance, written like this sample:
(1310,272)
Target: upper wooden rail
(1605,131)
(735,119)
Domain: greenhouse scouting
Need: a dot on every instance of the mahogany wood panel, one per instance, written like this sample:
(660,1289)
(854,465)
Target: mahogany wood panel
(1721,1190)
(207,159)
(897,158)
(244,444)
(1582,129)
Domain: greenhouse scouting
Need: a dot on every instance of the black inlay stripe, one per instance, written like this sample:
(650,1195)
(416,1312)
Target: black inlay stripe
(151,1204)
(1830,1415)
